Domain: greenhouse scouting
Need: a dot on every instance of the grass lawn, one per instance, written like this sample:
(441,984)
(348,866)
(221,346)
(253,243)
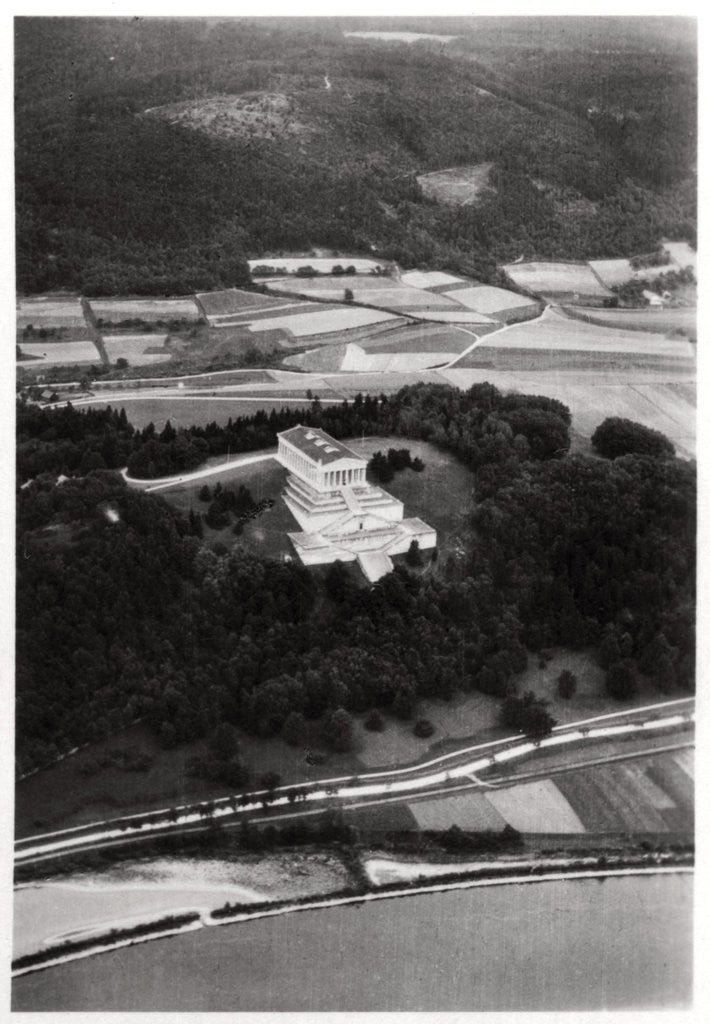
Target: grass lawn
(60,796)
(590,698)
(265,536)
(420,492)
(441,495)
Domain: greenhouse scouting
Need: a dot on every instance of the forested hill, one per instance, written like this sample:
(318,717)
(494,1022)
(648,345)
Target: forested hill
(265,135)
(122,613)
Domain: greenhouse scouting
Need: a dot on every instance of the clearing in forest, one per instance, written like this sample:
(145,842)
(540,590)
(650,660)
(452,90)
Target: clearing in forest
(458,186)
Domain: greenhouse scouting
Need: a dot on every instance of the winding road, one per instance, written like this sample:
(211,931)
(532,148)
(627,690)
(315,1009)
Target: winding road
(379,786)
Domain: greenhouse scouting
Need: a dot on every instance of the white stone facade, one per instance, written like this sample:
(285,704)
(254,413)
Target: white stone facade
(341,516)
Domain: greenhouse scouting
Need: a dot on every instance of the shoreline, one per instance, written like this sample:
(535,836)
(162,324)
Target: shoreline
(241,916)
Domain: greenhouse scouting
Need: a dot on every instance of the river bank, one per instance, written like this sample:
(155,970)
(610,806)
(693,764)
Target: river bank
(412,878)
(596,943)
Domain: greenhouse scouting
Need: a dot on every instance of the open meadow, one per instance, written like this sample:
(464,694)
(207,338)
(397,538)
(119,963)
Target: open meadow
(554,278)
(189,410)
(457,186)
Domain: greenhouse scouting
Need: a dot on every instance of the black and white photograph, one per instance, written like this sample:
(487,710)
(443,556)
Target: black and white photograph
(355,512)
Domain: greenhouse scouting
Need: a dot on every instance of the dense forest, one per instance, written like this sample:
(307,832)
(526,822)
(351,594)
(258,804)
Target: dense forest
(593,149)
(122,613)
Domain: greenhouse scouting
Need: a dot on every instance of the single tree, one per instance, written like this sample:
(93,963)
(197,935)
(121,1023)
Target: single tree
(566,684)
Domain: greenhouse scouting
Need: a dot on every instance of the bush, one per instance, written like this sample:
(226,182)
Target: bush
(621,680)
(374,721)
(617,436)
(423,728)
(527,714)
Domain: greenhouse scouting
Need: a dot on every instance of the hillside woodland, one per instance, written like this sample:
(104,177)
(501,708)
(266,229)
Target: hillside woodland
(152,156)
(123,613)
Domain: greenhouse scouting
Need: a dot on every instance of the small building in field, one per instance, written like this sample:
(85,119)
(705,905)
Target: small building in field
(342,517)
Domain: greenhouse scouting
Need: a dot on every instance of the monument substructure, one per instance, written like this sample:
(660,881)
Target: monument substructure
(342,516)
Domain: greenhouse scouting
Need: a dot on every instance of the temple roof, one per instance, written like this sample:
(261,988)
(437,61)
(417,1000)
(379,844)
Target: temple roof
(319,446)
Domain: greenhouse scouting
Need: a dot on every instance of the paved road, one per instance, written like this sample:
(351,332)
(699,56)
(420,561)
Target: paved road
(223,467)
(459,766)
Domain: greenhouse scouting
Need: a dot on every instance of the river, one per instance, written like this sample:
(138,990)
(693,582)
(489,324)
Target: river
(616,943)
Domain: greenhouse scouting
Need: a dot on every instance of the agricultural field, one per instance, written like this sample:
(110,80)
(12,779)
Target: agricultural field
(535,807)
(421,338)
(50,311)
(329,287)
(430,279)
(399,37)
(324,265)
(59,353)
(557,278)
(663,321)
(661,399)
(133,348)
(472,812)
(380,383)
(355,360)
(235,300)
(282,309)
(554,333)
(458,186)
(383,292)
(464,317)
(116,311)
(612,273)
(647,795)
(401,350)
(491,301)
(325,321)
(653,794)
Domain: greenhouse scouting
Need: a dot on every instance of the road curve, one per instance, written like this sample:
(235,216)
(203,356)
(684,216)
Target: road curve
(456,765)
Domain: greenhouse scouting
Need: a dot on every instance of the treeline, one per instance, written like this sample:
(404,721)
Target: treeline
(480,426)
(123,614)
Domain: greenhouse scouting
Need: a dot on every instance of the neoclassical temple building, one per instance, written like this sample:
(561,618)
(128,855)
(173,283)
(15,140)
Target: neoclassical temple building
(341,515)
